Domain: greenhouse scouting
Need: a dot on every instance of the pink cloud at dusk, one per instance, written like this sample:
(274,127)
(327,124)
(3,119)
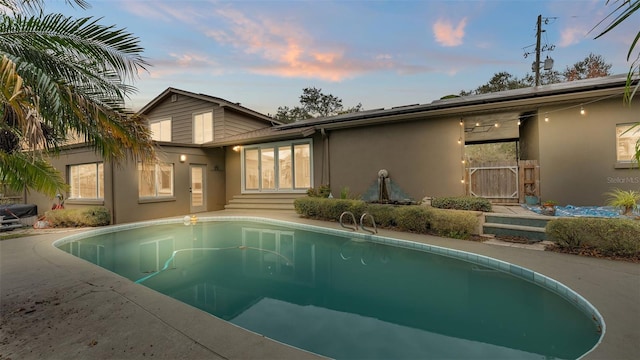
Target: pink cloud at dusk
(182,63)
(572,35)
(448,34)
(290,51)
(163,11)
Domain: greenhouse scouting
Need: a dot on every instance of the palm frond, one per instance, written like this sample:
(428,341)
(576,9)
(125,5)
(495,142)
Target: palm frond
(18,170)
(34,6)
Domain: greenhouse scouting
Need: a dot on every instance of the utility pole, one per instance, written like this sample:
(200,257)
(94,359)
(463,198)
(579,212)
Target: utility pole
(547,64)
(538,33)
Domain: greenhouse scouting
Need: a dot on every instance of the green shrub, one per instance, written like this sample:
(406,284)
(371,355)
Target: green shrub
(331,209)
(462,203)
(453,223)
(322,191)
(609,237)
(383,214)
(626,200)
(327,209)
(413,218)
(307,206)
(86,216)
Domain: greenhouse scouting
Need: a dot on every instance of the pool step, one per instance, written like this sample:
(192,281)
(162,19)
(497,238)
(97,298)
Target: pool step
(9,224)
(527,226)
(263,202)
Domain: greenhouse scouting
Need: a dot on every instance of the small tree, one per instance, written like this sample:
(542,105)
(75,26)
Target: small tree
(592,66)
(314,103)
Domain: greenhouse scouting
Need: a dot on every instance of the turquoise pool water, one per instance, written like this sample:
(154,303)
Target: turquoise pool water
(347,295)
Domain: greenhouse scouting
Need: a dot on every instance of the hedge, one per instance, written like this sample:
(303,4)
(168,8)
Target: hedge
(411,218)
(471,203)
(608,237)
(86,216)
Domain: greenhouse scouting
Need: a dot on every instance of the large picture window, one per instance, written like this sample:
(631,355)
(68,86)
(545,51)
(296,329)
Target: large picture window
(283,167)
(87,181)
(203,128)
(160,130)
(626,137)
(155,180)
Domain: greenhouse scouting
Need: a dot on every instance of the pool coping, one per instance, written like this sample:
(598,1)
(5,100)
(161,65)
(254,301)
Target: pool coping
(518,271)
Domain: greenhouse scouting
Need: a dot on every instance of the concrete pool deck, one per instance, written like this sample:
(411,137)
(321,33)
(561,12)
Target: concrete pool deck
(56,306)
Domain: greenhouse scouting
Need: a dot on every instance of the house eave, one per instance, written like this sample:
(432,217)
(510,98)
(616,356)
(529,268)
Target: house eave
(221,102)
(519,99)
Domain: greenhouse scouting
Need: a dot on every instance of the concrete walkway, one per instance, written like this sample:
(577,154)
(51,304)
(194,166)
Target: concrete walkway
(56,306)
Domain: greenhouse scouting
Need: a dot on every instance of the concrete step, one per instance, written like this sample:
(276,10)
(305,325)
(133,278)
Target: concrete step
(269,196)
(253,206)
(261,201)
(276,201)
(6,227)
(529,232)
(513,219)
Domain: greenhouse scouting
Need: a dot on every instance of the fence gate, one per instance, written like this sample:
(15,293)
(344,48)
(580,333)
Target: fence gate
(496,181)
(503,182)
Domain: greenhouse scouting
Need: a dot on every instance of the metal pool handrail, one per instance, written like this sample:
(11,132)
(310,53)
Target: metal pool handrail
(373,221)
(355,224)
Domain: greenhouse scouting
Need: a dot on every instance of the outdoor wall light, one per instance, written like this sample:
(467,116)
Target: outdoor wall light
(581,110)
(183,158)
(546,117)
(236,148)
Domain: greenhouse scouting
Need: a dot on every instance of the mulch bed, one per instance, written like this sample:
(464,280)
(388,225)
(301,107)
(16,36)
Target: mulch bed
(592,253)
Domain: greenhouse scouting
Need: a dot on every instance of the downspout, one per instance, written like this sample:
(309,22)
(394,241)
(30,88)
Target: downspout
(113,194)
(326,178)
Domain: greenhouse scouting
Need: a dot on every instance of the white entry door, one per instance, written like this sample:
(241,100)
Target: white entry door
(197,188)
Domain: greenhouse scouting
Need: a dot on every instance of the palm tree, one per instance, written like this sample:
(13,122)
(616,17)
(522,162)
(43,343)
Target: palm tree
(64,78)
(622,11)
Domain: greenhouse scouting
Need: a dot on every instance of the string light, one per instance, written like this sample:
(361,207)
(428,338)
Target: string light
(582,110)
(461,122)
(496,124)
(519,122)
(477,124)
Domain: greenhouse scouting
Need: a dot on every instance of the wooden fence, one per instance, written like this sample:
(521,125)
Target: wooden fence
(503,182)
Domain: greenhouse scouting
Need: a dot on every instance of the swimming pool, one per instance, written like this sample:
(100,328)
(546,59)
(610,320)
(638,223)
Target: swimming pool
(349,295)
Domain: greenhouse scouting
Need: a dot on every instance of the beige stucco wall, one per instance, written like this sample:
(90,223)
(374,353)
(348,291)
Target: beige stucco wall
(121,184)
(577,153)
(529,139)
(422,158)
(233,173)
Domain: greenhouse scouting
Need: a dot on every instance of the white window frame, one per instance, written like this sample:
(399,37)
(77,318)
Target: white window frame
(202,130)
(99,182)
(159,192)
(157,133)
(626,141)
(276,146)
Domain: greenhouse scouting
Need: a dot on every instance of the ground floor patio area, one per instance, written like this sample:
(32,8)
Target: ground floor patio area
(56,306)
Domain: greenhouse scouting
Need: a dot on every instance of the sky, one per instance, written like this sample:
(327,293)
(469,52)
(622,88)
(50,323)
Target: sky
(378,53)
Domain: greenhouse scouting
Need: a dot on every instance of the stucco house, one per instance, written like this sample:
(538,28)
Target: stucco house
(216,154)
